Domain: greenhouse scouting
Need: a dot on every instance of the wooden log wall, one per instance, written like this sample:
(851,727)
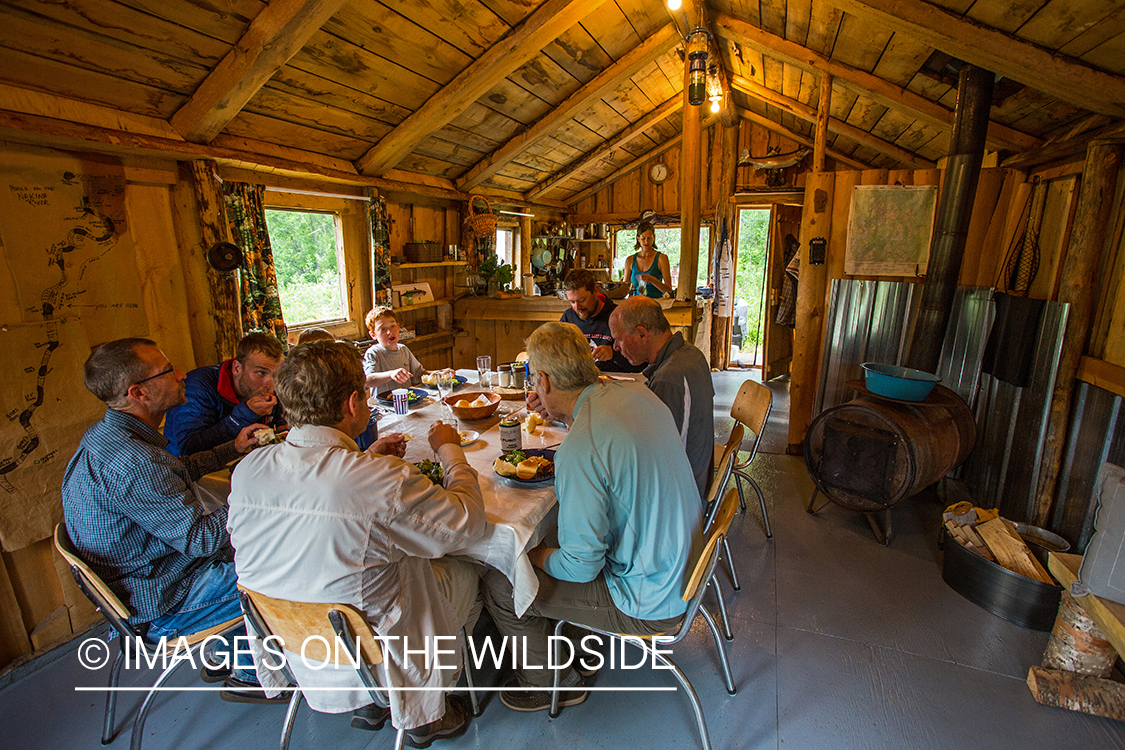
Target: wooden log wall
(40,605)
(624,199)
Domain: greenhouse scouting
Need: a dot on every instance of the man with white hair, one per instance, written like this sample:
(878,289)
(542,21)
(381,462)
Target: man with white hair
(629,517)
(677,373)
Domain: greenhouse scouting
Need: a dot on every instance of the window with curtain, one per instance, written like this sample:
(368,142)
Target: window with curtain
(308,256)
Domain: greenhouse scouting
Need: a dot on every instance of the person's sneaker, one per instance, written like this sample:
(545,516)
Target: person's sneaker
(452,724)
(213,674)
(239,691)
(540,699)
(371,717)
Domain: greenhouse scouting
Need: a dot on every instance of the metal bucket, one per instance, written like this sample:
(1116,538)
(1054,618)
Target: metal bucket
(1005,593)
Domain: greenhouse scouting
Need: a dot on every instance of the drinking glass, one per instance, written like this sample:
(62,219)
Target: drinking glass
(445,382)
(484,371)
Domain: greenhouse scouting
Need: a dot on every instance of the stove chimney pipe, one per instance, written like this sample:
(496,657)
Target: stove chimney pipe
(962,171)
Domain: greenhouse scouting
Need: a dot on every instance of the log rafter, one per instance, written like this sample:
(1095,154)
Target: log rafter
(1052,73)
(809,114)
(780,129)
(878,89)
(277,33)
(651,48)
(515,48)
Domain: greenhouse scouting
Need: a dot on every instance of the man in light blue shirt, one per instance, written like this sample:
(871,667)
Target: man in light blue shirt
(629,516)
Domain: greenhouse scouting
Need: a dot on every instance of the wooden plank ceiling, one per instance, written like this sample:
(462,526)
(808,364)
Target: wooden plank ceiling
(542,99)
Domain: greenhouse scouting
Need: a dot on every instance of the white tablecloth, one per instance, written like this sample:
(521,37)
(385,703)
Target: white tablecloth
(519,514)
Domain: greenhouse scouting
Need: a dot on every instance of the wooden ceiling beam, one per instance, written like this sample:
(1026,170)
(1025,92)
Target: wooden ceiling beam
(645,157)
(626,136)
(780,129)
(886,93)
(19,127)
(654,46)
(519,45)
(278,32)
(809,114)
(1050,72)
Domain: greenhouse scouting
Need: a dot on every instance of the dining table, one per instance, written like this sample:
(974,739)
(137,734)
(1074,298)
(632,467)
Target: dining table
(520,513)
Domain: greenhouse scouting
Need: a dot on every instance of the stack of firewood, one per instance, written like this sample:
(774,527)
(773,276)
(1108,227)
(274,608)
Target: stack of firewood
(985,533)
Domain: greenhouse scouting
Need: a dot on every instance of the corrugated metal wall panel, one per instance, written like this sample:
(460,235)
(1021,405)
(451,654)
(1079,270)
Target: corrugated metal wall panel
(1017,501)
(1097,435)
(867,322)
(961,354)
(1003,469)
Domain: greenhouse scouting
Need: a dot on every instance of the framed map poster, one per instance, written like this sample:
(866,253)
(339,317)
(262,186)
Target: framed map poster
(889,230)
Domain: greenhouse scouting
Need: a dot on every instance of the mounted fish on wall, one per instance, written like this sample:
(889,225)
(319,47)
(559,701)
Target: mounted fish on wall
(773,163)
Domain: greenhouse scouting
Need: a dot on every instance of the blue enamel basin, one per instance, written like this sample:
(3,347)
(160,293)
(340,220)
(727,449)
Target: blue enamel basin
(903,383)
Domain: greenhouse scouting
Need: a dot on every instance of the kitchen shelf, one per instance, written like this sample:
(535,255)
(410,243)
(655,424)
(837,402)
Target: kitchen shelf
(424,305)
(431,265)
(429,337)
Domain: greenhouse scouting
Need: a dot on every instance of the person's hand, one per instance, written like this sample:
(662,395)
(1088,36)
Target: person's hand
(401,375)
(443,434)
(647,278)
(389,445)
(603,353)
(535,405)
(261,403)
(247,438)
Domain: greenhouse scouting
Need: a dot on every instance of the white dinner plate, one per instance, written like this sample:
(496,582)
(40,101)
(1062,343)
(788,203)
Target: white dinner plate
(468,437)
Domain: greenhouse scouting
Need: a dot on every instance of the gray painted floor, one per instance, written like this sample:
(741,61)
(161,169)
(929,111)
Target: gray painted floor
(839,643)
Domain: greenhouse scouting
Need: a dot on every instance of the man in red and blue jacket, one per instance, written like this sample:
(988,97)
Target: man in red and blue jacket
(222,399)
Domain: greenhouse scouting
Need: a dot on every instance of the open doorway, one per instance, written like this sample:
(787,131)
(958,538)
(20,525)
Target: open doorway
(761,331)
(747,331)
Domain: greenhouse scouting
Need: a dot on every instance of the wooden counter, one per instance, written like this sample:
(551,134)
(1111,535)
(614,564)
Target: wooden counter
(500,327)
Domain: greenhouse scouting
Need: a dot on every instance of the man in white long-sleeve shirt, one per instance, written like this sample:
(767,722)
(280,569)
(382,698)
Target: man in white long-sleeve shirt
(315,519)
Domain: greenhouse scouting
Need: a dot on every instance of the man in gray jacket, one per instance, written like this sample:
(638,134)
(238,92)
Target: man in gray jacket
(677,373)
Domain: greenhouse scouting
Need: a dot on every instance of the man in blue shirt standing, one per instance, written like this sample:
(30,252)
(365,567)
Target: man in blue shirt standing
(223,399)
(131,510)
(629,516)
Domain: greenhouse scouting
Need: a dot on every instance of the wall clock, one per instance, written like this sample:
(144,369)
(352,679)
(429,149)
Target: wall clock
(659,172)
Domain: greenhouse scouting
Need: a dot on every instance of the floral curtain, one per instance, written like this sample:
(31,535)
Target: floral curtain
(380,229)
(261,306)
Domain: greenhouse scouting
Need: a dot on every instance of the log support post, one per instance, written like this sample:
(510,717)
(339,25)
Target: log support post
(816,221)
(1079,287)
(691,170)
(226,307)
(823,111)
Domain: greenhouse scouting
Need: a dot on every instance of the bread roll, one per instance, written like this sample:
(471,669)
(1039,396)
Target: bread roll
(503,468)
(463,404)
(481,401)
(528,469)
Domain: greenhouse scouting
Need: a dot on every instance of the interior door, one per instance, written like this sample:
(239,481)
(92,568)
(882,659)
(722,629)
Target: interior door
(778,338)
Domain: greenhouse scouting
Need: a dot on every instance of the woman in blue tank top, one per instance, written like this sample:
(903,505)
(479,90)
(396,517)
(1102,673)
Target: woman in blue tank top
(648,270)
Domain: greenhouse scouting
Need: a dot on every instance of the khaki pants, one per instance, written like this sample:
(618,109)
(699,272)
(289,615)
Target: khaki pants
(580,603)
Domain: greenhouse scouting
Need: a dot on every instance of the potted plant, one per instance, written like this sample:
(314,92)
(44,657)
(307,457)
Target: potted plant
(499,276)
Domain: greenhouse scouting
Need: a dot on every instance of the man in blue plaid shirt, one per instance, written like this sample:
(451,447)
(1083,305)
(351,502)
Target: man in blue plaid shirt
(131,510)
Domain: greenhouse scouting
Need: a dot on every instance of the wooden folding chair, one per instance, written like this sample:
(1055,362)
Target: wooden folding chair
(702,576)
(304,624)
(117,615)
(751,409)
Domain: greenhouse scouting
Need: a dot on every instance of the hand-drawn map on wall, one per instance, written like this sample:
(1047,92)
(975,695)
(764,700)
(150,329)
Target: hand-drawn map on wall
(72,272)
(889,230)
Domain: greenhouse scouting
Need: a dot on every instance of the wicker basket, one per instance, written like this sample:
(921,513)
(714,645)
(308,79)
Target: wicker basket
(482,224)
(423,252)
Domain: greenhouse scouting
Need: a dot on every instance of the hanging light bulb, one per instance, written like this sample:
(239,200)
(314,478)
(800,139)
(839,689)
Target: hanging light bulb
(715,105)
(674,4)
